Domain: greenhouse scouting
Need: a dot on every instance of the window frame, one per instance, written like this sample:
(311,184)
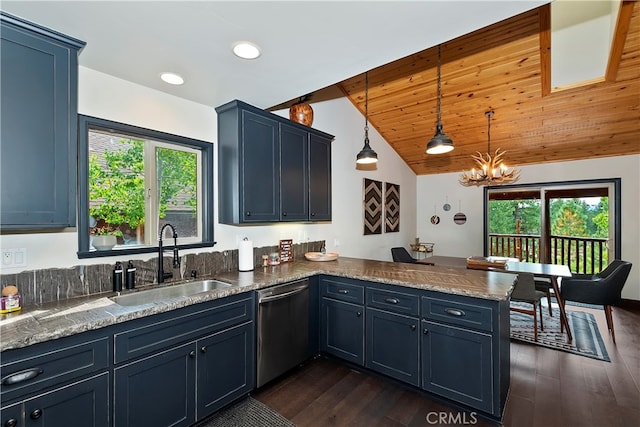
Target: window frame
(615,205)
(85,124)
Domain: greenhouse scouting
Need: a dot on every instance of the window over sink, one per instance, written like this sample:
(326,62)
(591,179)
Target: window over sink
(132,181)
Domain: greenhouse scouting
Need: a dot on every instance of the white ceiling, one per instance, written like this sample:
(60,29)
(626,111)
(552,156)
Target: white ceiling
(306,45)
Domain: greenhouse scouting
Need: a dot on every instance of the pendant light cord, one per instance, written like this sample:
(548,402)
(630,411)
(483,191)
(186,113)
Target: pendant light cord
(366,104)
(439,89)
(489,114)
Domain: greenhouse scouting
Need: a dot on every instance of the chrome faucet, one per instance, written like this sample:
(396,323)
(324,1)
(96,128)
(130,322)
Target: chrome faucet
(176,258)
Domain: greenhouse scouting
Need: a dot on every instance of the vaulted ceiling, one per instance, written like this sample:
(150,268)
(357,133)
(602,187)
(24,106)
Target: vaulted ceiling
(505,68)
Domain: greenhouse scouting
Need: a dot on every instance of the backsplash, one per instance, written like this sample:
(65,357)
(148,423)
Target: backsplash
(54,284)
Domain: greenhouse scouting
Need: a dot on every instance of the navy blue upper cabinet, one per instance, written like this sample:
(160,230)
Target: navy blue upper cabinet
(294,177)
(319,177)
(39,88)
(270,169)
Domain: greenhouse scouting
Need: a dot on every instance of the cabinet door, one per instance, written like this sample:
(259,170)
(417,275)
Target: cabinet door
(319,178)
(260,169)
(157,391)
(38,133)
(393,345)
(85,403)
(294,178)
(457,364)
(225,368)
(342,330)
(11,416)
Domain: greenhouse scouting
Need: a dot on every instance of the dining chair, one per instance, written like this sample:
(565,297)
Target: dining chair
(400,254)
(524,290)
(543,284)
(604,288)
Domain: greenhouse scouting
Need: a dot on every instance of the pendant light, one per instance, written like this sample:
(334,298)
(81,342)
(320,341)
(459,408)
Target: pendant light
(491,169)
(440,143)
(366,155)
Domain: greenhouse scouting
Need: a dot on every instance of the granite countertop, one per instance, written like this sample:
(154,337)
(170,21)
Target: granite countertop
(38,323)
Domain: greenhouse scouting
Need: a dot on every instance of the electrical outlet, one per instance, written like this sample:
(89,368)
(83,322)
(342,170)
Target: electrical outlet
(15,257)
(7,257)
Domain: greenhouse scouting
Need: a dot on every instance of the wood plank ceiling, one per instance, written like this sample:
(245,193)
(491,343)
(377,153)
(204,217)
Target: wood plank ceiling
(504,67)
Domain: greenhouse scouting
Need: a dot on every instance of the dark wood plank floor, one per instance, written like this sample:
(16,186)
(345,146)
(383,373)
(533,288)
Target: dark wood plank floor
(548,388)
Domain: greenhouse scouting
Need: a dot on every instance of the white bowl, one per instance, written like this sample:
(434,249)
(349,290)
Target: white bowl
(319,256)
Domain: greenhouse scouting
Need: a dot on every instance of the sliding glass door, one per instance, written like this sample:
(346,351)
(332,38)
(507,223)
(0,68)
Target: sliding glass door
(571,223)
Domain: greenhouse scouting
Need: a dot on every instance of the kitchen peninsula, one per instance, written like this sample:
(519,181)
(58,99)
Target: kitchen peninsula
(451,325)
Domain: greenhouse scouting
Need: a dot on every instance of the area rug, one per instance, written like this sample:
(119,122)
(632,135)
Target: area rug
(587,340)
(247,413)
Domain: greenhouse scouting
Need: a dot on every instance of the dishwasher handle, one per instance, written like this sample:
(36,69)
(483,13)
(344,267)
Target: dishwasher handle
(276,297)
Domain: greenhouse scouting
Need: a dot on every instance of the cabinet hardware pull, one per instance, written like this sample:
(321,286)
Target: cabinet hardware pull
(203,349)
(413,327)
(11,423)
(313,214)
(392,300)
(343,291)
(248,213)
(454,312)
(37,413)
(21,376)
(425,331)
(192,354)
(359,313)
(284,214)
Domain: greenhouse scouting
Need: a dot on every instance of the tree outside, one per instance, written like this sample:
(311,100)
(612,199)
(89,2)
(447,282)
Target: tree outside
(117,186)
(577,221)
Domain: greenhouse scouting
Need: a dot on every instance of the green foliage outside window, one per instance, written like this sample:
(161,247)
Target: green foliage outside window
(117,183)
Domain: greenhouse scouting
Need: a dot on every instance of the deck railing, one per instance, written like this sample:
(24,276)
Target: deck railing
(585,255)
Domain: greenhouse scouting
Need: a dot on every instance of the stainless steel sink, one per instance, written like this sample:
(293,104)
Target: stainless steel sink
(168,292)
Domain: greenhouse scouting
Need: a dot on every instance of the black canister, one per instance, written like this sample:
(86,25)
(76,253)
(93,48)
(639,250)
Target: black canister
(130,282)
(117,277)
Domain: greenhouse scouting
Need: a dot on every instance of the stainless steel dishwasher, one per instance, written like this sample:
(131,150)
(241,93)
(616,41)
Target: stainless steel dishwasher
(283,329)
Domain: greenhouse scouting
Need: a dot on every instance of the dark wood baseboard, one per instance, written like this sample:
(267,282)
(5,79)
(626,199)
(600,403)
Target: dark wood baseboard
(630,304)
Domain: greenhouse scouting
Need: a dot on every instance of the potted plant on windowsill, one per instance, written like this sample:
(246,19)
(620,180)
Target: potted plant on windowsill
(105,237)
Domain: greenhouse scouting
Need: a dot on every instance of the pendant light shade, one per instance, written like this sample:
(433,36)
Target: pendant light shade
(440,143)
(366,155)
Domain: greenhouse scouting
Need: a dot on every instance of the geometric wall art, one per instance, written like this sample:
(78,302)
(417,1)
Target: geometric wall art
(372,207)
(391,207)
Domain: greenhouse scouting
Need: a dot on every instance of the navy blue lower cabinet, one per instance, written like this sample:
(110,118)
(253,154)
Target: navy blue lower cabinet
(342,330)
(226,366)
(458,364)
(393,345)
(158,390)
(84,403)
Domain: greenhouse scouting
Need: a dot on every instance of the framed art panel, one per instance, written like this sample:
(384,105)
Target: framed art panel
(391,207)
(372,206)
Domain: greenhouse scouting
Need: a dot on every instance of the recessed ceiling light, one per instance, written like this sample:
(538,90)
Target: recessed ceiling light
(246,50)
(172,78)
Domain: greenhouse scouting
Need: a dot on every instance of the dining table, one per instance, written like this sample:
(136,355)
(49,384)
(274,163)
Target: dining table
(510,265)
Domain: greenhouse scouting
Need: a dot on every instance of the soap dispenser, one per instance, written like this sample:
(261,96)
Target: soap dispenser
(130,281)
(117,277)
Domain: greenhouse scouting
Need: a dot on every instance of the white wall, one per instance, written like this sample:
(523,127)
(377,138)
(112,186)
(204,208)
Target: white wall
(104,96)
(464,240)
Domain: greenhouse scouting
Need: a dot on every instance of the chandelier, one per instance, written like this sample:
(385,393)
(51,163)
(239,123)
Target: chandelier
(491,170)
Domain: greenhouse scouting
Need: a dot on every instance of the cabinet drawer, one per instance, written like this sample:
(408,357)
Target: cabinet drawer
(342,289)
(457,313)
(51,365)
(393,301)
(159,335)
